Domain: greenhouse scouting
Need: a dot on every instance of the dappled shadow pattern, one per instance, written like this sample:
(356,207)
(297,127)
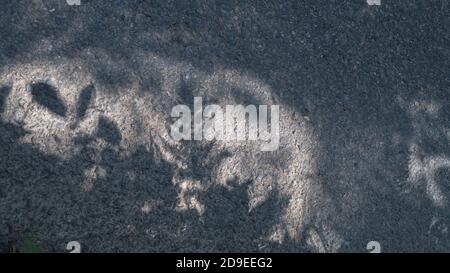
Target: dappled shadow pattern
(349,68)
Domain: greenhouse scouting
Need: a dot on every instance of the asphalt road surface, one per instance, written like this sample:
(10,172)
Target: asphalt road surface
(86,93)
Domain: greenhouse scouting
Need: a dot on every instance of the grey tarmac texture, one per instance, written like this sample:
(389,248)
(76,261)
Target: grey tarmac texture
(85,99)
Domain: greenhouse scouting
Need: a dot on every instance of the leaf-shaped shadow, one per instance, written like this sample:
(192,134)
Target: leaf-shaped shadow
(108,131)
(4,92)
(84,100)
(47,96)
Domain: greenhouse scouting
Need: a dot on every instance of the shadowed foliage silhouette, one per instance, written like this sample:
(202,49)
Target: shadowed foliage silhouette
(360,75)
(108,131)
(228,215)
(85,99)
(47,96)
(4,92)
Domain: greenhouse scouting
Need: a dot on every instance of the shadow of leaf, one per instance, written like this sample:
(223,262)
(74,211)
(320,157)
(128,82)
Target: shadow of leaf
(108,131)
(47,96)
(4,92)
(84,100)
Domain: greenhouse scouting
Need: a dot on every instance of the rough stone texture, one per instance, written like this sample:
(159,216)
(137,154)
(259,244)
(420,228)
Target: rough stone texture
(85,99)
